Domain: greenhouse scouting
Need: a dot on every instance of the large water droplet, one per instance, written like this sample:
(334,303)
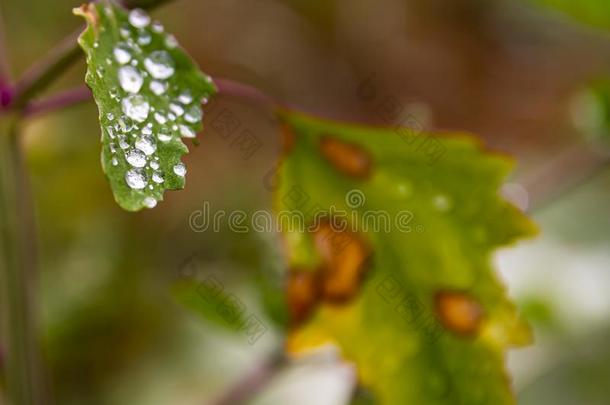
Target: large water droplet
(159,64)
(136,158)
(138,18)
(130,79)
(180,170)
(136,107)
(121,53)
(146,144)
(135,179)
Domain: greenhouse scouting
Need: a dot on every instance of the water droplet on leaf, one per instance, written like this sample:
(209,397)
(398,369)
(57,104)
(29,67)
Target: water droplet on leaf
(159,64)
(136,107)
(130,79)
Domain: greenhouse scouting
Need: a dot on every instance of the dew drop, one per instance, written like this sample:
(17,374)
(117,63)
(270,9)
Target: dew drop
(115,162)
(180,170)
(154,165)
(136,158)
(135,179)
(130,79)
(176,109)
(187,132)
(159,64)
(171,41)
(125,32)
(144,38)
(164,137)
(123,142)
(185,98)
(121,54)
(146,144)
(158,178)
(160,118)
(110,116)
(150,202)
(193,115)
(136,107)
(147,130)
(157,87)
(157,27)
(138,18)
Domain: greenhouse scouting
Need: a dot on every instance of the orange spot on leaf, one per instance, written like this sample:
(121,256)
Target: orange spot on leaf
(302,294)
(350,159)
(344,255)
(459,312)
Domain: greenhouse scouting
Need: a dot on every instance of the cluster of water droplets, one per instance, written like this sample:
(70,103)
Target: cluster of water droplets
(144,79)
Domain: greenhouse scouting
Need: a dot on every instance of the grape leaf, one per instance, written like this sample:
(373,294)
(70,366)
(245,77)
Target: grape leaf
(149,94)
(415,305)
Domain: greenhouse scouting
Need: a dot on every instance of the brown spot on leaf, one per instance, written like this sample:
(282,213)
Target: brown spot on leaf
(349,158)
(459,312)
(302,293)
(345,256)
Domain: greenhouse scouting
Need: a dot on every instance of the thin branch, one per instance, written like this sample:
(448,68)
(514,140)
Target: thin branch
(254,382)
(5,69)
(47,70)
(59,101)
(18,264)
(243,91)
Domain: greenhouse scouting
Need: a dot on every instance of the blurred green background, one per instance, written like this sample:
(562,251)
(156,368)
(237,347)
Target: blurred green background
(528,80)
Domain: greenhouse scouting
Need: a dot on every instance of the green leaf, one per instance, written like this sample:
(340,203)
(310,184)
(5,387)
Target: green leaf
(149,94)
(592,12)
(416,306)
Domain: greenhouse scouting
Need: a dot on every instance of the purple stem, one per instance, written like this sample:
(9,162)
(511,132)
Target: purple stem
(57,102)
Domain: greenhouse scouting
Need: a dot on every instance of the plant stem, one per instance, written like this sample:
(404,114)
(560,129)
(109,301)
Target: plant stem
(58,101)
(254,382)
(5,70)
(17,271)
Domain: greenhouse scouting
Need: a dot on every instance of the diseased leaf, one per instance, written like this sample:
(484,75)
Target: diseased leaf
(410,297)
(149,94)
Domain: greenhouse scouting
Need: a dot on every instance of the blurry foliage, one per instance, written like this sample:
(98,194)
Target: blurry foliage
(430,288)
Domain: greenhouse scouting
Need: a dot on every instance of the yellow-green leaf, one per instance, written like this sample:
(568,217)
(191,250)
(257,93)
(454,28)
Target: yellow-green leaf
(414,304)
(149,94)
